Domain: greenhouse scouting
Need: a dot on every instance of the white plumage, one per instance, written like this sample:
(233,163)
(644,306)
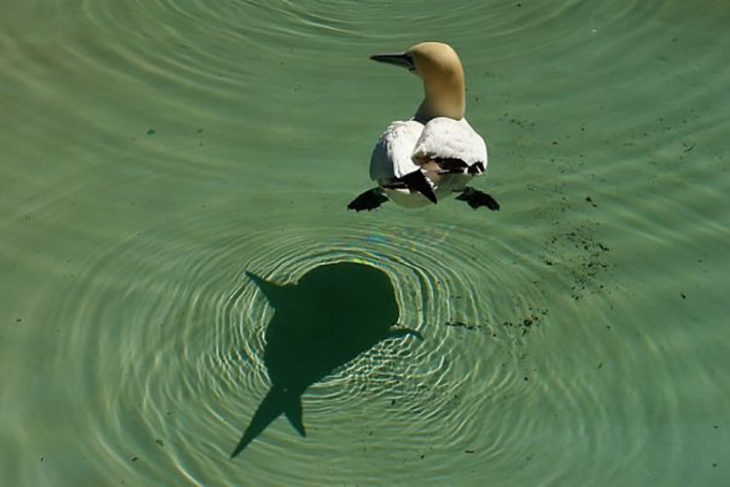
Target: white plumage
(447,138)
(393,154)
(437,152)
(409,146)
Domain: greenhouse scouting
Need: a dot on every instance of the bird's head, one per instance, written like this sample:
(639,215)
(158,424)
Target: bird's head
(443,77)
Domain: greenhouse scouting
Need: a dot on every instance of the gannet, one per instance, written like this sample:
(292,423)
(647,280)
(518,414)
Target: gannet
(435,153)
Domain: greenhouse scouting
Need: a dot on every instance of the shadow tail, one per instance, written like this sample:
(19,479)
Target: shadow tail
(276,402)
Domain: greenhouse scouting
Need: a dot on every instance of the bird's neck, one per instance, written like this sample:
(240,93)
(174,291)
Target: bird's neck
(444,97)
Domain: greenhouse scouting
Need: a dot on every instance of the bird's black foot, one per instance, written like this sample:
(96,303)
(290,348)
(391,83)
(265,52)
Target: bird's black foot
(369,200)
(476,198)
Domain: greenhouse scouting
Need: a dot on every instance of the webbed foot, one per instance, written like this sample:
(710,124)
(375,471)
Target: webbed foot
(476,198)
(369,200)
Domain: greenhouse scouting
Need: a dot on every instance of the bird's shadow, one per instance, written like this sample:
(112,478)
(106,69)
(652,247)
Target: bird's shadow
(334,313)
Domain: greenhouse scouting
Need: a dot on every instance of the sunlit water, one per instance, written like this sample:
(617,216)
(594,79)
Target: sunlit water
(154,152)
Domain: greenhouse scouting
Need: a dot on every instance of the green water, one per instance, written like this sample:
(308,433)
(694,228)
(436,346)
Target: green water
(154,152)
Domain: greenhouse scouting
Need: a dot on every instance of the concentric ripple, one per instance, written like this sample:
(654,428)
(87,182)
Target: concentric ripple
(181,336)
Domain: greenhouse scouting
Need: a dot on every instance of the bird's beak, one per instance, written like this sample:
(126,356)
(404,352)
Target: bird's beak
(402,59)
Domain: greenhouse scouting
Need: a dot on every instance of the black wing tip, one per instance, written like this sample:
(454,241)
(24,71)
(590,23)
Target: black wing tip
(416,182)
(453,165)
(476,169)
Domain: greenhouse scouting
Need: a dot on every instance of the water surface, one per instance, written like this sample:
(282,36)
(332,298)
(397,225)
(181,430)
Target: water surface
(155,152)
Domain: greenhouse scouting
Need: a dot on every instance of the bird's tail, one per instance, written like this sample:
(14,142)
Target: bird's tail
(277,401)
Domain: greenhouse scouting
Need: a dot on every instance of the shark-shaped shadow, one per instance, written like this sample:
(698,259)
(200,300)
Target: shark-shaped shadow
(333,314)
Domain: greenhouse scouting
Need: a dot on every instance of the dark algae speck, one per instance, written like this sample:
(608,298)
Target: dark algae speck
(460,324)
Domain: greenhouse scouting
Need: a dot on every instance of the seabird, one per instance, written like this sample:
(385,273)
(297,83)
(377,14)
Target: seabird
(436,152)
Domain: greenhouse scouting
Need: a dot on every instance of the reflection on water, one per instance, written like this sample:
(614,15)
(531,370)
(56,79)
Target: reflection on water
(332,315)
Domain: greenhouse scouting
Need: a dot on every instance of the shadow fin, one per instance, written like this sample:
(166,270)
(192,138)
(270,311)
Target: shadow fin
(273,292)
(276,402)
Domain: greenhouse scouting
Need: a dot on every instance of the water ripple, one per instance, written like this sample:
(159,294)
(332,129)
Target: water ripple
(180,336)
(529,348)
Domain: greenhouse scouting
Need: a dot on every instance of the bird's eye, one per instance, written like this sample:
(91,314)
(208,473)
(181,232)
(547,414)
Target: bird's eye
(411,64)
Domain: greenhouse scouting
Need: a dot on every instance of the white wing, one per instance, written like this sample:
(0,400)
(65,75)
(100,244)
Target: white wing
(446,138)
(391,156)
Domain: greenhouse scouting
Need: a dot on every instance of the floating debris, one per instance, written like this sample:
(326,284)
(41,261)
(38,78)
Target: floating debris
(576,251)
(460,324)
